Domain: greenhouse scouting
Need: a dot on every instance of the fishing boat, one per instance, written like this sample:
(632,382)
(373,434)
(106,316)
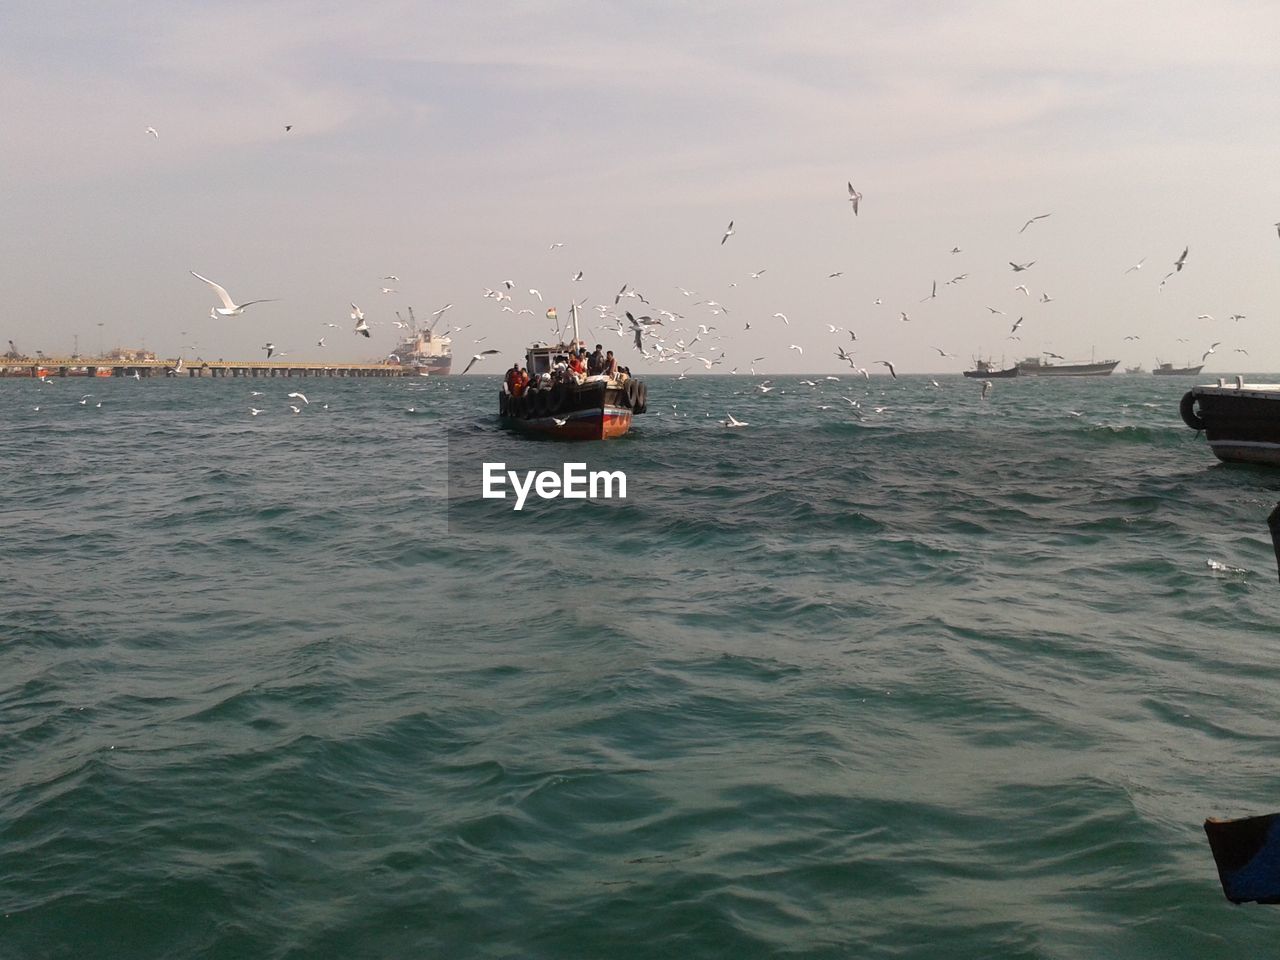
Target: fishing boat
(1241,422)
(1039,367)
(1169,370)
(986,370)
(1137,369)
(598,408)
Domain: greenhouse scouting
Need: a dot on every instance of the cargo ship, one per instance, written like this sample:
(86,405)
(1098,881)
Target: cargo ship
(1038,367)
(1169,370)
(424,352)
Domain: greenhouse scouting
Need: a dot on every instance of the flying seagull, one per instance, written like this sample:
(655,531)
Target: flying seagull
(229,307)
(854,197)
(1209,351)
(477,358)
(1016,325)
(300,396)
(270,348)
(1018,267)
(731,422)
(727,233)
(152,131)
(1181,260)
(893,373)
(932,295)
(1137,266)
(1034,219)
(783,318)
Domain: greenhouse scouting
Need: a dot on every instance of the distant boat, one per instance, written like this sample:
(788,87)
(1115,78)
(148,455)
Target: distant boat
(1038,367)
(1241,422)
(1169,370)
(1137,369)
(987,370)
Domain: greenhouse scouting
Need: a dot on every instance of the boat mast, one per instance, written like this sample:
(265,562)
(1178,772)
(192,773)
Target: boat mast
(573,310)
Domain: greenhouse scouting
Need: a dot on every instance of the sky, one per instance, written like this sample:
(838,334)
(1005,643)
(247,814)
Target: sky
(450,145)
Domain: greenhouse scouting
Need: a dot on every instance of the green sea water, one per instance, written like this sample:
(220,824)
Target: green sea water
(927,677)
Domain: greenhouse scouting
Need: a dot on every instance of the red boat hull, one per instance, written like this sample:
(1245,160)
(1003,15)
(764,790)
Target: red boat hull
(591,411)
(604,424)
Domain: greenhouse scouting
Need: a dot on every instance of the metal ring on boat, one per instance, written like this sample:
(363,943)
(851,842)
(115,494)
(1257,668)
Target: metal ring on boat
(1188,410)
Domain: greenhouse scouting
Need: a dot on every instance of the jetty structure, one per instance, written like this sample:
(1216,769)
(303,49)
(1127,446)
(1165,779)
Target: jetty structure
(109,367)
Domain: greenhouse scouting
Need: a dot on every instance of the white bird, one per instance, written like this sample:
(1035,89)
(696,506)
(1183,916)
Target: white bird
(903,316)
(84,401)
(943,353)
(986,388)
(362,327)
(256,393)
(727,233)
(1033,220)
(389,290)
(893,373)
(832,328)
(152,131)
(294,409)
(300,396)
(1202,359)
(477,358)
(1045,298)
(798,349)
(757,275)
(1137,266)
(320,342)
(1181,260)
(442,310)
(933,294)
(1023,288)
(1016,324)
(854,197)
(783,318)
(838,273)
(731,422)
(554,245)
(356,313)
(577,276)
(229,307)
(535,293)
(254,411)
(1019,267)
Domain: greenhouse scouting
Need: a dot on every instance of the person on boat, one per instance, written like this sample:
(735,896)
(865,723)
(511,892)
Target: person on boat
(595,363)
(609,366)
(578,366)
(513,380)
(523,385)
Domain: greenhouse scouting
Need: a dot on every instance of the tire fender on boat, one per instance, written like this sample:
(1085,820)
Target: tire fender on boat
(1188,410)
(642,398)
(633,391)
(555,402)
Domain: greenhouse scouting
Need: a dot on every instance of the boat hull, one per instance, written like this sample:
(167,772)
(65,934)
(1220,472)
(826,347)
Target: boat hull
(1031,368)
(1177,371)
(590,411)
(1242,424)
(991,374)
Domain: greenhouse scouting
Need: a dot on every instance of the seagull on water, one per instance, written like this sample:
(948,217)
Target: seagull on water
(254,411)
(477,358)
(229,307)
(294,409)
(731,422)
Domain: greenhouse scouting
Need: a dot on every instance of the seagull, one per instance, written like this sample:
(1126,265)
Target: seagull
(577,276)
(554,245)
(362,327)
(831,327)
(229,307)
(1178,264)
(1237,350)
(389,290)
(1017,323)
(256,393)
(765,387)
(1034,219)
(356,313)
(1133,338)
(441,310)
(1019,267)
(300,396)
(838,273)
(1023,288)
(893,373)
(270,348)
(797,348)
(1045,298)
(535,293)
(904,317)
(994,310)
(1204,316)
(1054,356)
(84,401)
(294,409)
(477,358)
(152,131)
(986,388)
(956,250)
(943,353)
(854,197)
(1137,266)
(731,422)
(932,295)
(320,342)
(783,318)
(1202,359)
(288,127)
(1236,316)
(254,411)
(727,233)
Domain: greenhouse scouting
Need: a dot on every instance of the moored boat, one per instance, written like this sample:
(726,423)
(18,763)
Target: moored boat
(1241,422)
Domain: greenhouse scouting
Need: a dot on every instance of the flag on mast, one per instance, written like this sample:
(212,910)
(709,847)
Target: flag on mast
(551,313)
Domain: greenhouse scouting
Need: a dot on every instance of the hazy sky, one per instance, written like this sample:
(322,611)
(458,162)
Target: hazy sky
(451,144)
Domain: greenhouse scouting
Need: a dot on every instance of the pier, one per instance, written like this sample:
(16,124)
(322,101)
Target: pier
(85,367)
